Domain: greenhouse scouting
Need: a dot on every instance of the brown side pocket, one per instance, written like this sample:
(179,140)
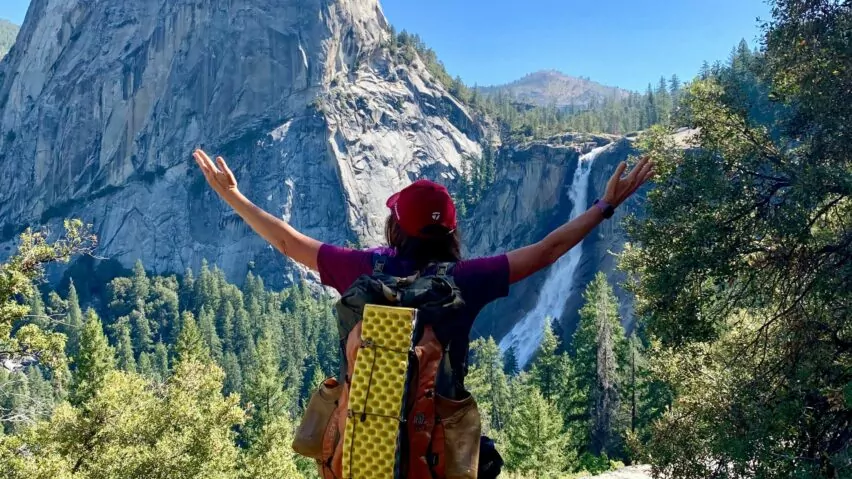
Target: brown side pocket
(309,436)
(462,429)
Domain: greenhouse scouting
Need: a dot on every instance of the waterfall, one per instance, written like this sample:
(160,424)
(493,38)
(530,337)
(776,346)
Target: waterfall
(559,286)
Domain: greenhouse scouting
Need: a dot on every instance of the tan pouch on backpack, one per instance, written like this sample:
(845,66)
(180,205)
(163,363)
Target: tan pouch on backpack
(309,436)
(462,428)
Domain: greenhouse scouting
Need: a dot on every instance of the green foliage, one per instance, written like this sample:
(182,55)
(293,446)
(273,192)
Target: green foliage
(600,358)
(537,444)
(190,344)
(271,456)
(124,349)
(265,391)
(487,381)
(25,398)
(74,322)
(510,362)
(592,464)
(477,176)
(17,277)
(745,260)
(550,371)
(95,360)
(131,430)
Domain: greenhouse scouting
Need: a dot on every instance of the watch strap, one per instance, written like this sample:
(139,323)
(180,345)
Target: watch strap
(607,209)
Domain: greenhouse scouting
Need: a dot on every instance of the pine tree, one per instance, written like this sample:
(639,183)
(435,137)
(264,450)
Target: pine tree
(120,298)
(146,366)
(243,339)
(208,331)
(487,381)
(124,347)
(37,314)
(705,71)
(187,291)
(536,443)
(510,362)
(95,360)
(141,330)
(233,373)
(226,324)
(162,309)
(264,389)
(547,371)
(161,360)
(75,322)
(207,291)
(601,353)
(271,455)
(190,344)
(674,84)
(15,402)
(650,108)
(141,285)
(664,102)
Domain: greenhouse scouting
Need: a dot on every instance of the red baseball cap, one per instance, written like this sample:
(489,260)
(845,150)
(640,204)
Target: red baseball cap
(422,204)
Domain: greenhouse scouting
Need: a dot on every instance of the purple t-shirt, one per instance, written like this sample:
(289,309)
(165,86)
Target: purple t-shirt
(480,280)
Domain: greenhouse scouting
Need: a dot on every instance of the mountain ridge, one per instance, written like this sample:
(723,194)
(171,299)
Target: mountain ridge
(8,33)
(552,87)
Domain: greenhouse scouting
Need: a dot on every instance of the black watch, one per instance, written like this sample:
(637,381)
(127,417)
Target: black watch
(606,208)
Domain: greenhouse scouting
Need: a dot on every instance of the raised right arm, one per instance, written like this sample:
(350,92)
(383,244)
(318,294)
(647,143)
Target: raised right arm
(277,232)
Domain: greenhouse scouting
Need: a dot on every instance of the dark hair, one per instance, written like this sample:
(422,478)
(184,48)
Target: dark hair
(440,246)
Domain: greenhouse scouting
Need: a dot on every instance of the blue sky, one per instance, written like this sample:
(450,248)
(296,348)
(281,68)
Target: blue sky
(625,43)
(14,10)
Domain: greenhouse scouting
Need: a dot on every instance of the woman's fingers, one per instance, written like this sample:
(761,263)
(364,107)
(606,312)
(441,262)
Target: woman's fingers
(612,185)
(207,161)
(197,156)
(224,167)
(205,170)
(221,163)
(619,171)
(644,175)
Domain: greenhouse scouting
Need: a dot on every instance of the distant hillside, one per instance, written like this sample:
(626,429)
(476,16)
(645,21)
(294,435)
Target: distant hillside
(550,87)
(8,33)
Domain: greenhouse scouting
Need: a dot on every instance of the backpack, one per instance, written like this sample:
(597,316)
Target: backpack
(440,424)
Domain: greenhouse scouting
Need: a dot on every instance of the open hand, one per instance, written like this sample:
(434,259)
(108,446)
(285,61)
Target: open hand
(619,189)
(218,175)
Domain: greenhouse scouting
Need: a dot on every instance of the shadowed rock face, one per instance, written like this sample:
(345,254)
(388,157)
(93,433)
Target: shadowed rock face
(102,103)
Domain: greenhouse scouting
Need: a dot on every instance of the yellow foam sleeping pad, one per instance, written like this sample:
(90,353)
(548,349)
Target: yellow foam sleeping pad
(377,393)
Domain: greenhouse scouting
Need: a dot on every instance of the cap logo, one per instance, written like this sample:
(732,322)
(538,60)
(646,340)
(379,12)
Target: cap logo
(436,215)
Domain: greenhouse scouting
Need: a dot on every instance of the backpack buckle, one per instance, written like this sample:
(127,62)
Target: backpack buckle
(442,269)
(379,266)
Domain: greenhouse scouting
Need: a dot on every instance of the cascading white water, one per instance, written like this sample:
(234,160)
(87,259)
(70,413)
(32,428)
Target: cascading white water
(526,335)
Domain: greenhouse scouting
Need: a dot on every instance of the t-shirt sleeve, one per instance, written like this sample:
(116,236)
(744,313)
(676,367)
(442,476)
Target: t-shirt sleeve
(340,267)
(483,280)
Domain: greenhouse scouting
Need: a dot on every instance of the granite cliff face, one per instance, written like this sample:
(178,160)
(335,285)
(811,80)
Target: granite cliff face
(101,105)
